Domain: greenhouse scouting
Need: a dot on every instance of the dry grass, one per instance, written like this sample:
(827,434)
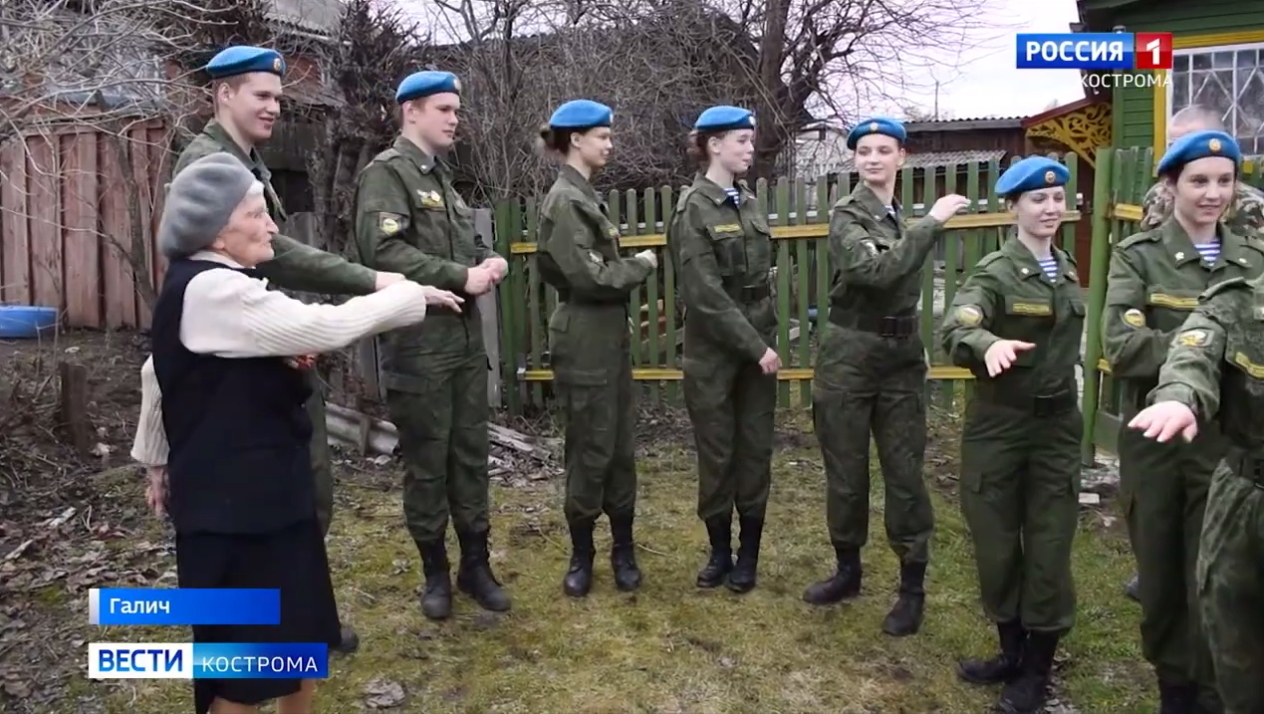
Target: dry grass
(670,647)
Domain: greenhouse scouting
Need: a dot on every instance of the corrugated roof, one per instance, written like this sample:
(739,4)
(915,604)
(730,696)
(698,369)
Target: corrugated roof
(937,158)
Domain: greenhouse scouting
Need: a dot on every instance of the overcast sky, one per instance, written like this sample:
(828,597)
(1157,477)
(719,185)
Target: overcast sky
(990,85)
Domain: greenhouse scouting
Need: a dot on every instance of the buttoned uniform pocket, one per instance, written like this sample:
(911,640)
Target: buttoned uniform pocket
(430,221)
(1029,319)
(728,243)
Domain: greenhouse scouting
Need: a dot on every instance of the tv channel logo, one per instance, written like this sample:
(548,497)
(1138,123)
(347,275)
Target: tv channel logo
(1095,50)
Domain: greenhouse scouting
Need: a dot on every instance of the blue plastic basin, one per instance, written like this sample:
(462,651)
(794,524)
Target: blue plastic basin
(25,322)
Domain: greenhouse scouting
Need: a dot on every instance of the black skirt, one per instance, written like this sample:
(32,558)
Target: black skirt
(292,560)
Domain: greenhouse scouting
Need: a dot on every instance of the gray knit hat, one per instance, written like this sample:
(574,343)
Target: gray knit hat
(200,200)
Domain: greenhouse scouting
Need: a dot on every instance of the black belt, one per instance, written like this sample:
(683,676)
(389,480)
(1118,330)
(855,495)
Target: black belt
(754,294)
(1248,466)
(566,298)
(883,326)
(1040,405)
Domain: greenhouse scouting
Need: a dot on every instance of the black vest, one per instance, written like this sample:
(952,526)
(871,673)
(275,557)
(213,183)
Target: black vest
(237,429)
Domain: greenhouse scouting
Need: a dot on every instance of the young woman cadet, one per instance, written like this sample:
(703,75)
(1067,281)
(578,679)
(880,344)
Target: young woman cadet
(590,342)
(871,374)
(722,250)
(1017,323)
(1155,279)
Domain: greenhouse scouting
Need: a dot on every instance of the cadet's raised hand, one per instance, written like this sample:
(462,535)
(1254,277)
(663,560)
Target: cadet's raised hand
(948,206)
(385,280)
(1165,420)
(1002,355)
(478,280)
(442,298)
(648,256)
(771,362)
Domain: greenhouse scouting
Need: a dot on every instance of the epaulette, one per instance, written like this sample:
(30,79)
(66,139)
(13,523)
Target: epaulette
(988,259)
(1231,283)
(684,199)
(1152,236)
(1254,240)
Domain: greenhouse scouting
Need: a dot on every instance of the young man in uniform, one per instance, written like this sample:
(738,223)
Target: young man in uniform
(410,219)
(246,86)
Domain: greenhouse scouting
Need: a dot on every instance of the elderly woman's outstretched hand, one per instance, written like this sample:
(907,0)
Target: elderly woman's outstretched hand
(442,298)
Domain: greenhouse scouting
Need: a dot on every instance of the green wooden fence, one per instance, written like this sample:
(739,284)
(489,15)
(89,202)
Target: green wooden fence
(798,212)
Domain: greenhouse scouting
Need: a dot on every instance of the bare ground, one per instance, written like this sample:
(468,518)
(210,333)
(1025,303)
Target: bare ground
(69,523)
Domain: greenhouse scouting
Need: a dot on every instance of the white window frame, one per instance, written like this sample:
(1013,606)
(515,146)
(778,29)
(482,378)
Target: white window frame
(1190,52)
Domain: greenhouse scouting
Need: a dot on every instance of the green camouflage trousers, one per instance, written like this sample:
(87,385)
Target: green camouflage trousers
(732,407)
(442,423)
(1231,589)
(866,384)
(1164,493)
(1020,476)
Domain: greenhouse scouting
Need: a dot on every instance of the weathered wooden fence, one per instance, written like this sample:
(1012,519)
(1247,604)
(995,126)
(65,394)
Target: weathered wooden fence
(69,207)
(798,212)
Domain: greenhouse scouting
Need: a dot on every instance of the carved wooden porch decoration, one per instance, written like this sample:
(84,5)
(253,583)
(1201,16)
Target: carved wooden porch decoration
(1080,126)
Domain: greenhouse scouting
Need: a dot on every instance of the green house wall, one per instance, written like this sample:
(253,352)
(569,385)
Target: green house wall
(1133,107)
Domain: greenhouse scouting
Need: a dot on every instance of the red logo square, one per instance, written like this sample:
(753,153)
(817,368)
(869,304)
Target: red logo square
(1153,50)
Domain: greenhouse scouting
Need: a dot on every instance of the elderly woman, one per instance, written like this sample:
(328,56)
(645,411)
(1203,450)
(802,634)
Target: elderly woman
(232,432)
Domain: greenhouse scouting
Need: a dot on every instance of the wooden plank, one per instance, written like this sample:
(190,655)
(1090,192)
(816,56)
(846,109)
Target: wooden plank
(794,374)
(15,273)
(821,230)
(143,205)
(1126,212)
(82,243)
(44,202)
(116,231)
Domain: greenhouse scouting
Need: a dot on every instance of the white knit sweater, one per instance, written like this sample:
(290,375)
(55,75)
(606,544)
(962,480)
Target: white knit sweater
(229,314)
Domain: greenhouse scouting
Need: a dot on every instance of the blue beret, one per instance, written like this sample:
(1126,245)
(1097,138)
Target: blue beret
(724,118)
(243,59)
(581,114)
(424,84)
(1200,145)
(877,125)
(1032,174)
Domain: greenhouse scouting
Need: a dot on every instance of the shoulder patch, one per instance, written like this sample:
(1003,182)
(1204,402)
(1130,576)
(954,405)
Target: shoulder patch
(1193,338)
(968,315)
(1231,284)
(1134,318)
(1135,238)
(390,223)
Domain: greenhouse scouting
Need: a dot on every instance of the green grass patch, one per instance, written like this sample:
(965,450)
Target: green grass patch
(673,648)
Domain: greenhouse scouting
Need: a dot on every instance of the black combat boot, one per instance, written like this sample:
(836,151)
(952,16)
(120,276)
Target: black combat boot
(474,576)
(436,599)
(1028,692)
(1131,589)
(905,617)
(348,641)
(742,579)
(578,580)
(627,576)
(1005,665)
(842,585)
(720,533)
(1177,697)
